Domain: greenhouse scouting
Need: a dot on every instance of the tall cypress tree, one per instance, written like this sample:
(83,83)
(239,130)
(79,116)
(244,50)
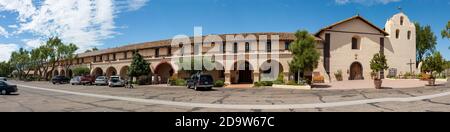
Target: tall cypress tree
(139,67)
(305,55)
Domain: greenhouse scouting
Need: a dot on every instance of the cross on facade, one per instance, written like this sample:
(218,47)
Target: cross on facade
(411,65)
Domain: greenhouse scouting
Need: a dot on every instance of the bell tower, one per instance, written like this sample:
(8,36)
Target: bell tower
(400,46)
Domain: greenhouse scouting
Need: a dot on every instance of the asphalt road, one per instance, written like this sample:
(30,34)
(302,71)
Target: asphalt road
(45,97)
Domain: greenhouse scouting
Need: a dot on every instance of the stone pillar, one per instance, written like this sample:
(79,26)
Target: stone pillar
(227,77)
(256,77)
(286,76)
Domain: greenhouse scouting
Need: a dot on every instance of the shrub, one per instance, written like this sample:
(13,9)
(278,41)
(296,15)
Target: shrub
(219,83)
(178,82)
(80,71)
(278,82)
(267,83)
(257,84)
(378,64)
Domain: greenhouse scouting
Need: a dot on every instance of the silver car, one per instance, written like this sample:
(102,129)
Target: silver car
(101,80)
(75,80)
(116,81)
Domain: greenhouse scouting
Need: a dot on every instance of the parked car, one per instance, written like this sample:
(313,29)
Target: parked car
(101,80)
(200,82)
(60,80)
(76,80)
(87,80)
(7,88)
(115,81)
(3,79)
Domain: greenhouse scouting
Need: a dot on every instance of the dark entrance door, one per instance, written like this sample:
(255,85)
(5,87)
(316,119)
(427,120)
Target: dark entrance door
(245,76)
(356,71)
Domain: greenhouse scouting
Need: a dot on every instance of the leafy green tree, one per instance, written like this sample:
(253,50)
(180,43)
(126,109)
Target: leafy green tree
(446,32)
(55,55)
(80,71)
(6,69)
(194,64)
(434,63)
(305,55)
(19,60)
(139,67)
(425,42)
(68,54)
(378,64)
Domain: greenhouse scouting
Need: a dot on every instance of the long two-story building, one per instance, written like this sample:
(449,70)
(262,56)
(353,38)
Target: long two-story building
(346,46)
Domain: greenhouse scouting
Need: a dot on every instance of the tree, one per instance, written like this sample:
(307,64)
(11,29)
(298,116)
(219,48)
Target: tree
(434,63)
(446,32)
(425,42)
(378,64)
(80,71)
(305,55)
(54,55)
(192,65)
(91,50)
(139,67)
(68,54)
(19,60)
(6,69)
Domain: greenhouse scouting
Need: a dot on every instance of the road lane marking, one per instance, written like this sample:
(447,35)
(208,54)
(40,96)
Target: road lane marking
(246,107)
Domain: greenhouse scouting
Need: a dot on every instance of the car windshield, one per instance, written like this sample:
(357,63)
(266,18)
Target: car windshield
(206,78)
(101,78)
(115,79)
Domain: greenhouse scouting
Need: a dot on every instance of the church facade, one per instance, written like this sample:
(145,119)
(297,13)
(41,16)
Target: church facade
(346,46)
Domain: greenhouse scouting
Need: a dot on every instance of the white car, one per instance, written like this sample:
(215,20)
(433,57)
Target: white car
(115,81)
(76,80)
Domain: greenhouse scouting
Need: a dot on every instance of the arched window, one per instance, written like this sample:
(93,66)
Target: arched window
(402,20)
(247,47)
(235,47)
(356,43)
(409,35)
(397,33)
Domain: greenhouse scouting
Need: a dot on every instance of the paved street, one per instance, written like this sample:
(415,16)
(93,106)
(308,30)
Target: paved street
(43,97)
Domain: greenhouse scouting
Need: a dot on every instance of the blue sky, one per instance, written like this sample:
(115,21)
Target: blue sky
(112,23)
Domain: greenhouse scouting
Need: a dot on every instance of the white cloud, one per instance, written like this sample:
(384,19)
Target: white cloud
(85,23)
(32,43)
(3,32)
(130,5)
(366,2)
(7,49)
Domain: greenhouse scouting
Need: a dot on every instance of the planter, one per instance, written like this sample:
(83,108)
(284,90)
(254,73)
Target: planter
(305,87)
(432,82)
(378,83)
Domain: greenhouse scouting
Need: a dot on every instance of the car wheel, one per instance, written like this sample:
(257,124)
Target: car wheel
(196,88)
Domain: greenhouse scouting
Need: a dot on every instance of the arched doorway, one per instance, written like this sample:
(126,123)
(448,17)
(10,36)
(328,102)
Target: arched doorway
(97,72)
(62,73)
(111,71)
(270,70)
(124,72)
(163,72)
(356,71)
(242,73)
(55,73)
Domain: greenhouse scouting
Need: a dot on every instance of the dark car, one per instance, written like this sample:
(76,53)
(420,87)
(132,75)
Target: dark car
(201,82)
(7,88)
(87,80)
(60,80)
